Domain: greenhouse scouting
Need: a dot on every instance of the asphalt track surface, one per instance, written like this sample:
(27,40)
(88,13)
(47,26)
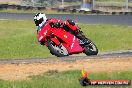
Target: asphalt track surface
(116,54)
(79,18)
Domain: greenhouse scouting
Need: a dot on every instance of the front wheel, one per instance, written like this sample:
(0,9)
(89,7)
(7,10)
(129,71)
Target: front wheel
(59,51)
(90,49)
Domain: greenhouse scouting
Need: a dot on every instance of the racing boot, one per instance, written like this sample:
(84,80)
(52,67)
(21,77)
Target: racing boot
(84,42)
(82,38)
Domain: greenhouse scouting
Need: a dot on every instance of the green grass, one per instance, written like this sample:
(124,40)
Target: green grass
(109,37)
(18,39)
(68,79)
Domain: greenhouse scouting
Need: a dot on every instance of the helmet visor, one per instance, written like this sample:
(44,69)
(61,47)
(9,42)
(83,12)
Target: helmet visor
(37,22)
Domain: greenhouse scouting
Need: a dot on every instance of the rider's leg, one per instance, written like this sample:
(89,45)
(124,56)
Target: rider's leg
(82,37)
(72,28)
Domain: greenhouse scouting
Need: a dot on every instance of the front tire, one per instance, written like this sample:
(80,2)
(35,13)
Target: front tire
(91,49)
(59,51)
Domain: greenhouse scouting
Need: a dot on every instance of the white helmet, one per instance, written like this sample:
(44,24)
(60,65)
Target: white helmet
(40,19)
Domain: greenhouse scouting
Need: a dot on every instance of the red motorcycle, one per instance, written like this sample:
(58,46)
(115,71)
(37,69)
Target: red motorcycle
(62,43)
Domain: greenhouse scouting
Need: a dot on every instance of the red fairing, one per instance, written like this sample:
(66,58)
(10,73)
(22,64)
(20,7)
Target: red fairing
(72,27)
(73,43)
(46,26)
(60,36)
(41,36)
(53,20)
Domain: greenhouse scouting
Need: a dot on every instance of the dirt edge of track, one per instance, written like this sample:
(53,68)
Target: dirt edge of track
(22,71)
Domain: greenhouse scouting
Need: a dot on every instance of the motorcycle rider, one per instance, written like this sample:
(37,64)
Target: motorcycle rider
(41,20)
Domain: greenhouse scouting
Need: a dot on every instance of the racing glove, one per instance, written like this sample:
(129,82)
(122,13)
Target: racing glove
(57,24)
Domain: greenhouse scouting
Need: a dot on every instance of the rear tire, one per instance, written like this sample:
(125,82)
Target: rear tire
(91,49)
(59,51)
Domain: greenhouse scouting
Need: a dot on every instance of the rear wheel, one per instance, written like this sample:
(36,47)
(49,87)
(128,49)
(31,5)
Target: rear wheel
(59,51)
(90,49)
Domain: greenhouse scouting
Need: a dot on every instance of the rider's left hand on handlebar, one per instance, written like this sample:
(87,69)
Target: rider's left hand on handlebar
(57,24)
